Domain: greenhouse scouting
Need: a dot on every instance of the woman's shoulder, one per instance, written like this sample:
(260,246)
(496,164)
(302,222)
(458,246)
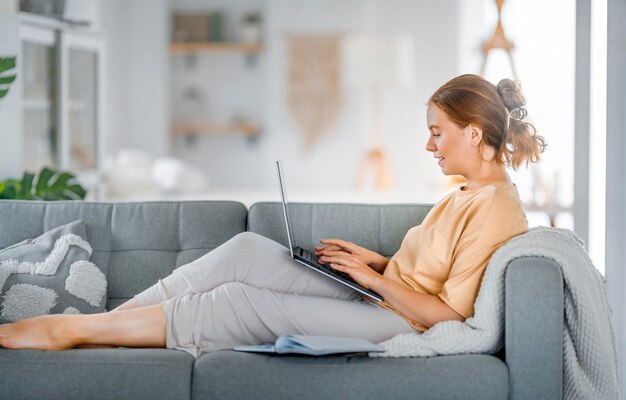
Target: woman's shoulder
(498,192)
(497,203)
(506,193)
(505,213)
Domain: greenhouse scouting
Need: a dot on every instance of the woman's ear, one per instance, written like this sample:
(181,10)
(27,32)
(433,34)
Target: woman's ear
(475,135)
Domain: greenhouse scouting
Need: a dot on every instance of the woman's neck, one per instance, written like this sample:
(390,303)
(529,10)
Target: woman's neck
(490,173)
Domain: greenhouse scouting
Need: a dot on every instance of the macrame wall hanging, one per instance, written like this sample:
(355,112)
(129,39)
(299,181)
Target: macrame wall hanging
(314,91)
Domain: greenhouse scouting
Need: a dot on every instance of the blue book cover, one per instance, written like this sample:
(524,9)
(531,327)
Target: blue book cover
(313,345)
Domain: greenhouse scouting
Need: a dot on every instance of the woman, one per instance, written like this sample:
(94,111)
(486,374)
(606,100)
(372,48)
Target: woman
(249,290)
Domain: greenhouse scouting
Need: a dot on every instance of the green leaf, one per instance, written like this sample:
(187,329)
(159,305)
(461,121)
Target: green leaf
(44,177)
(5,80)
(7,63)
(27,186)
(9,192)
(75,192)
(10,189)
(61,181)
(50,185)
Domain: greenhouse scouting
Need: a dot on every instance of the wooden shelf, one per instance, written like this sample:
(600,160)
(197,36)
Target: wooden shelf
(186,129)
(200,47)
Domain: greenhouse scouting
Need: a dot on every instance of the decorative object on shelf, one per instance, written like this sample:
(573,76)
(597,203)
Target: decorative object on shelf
(7,77)
(216,28)
(47,185)
(375,63)
(49,8)
(250,28)
(191,27)
(206,27)
(314,94)
(498,41)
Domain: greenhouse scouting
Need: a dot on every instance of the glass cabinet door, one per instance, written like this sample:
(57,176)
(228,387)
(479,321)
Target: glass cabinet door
(81,100)
(82,111)
(40,105)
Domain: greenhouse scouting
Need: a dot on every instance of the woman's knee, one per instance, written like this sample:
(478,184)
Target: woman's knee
(248,237)
(250,240)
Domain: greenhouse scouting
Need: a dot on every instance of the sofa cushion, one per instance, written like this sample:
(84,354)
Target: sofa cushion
(380,228)
(95,374)
(51,274)
(233,375)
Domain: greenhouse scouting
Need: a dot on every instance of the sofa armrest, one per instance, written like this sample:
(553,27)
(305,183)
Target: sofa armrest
(534,311)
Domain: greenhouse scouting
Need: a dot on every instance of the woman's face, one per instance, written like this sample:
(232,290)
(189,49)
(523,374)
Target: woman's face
(451,145)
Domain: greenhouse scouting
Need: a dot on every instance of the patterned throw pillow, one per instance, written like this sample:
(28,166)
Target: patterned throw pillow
(51,274)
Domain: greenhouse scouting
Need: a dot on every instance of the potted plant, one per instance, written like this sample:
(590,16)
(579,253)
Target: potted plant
(47,185)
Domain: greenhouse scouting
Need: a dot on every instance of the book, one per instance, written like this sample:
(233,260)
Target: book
(313,345)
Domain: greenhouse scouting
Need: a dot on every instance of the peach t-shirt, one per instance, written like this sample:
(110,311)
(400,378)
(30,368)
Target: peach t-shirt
(448,253)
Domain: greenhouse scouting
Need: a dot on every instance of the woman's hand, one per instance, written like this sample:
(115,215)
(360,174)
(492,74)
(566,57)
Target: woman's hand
(352,265)
(374,260)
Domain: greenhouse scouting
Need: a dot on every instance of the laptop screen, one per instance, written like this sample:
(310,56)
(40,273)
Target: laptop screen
(283,195)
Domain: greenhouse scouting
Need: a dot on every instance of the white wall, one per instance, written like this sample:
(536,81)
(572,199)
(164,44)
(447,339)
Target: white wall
(331,164)
(136,74)
(615,177)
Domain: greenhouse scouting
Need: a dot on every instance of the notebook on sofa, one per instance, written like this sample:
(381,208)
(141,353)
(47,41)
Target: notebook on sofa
(313,345)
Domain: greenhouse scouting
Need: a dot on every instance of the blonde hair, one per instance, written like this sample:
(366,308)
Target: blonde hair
(498,111)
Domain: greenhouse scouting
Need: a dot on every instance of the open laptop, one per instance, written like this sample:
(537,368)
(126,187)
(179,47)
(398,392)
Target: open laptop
(309,259)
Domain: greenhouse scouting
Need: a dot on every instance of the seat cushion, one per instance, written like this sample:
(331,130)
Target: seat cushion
(95,374)
(233,375)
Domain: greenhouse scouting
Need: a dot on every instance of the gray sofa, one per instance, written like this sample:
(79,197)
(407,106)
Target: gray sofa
(139,243)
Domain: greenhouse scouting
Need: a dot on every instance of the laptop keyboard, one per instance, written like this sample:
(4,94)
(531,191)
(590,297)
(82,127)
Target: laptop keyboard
(312,258)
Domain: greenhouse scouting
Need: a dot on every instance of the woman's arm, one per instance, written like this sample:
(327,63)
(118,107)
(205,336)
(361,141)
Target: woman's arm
(422,308)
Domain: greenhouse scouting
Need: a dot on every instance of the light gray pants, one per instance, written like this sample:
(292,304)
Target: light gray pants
(249,291)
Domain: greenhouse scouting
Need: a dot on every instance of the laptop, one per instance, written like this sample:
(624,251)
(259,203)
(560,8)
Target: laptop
(309,259)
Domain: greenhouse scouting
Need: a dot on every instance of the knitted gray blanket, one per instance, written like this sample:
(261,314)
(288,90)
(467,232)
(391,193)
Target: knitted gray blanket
(589,352)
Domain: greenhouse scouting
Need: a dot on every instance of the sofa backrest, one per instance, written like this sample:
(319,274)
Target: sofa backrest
(380,227)
(135,244)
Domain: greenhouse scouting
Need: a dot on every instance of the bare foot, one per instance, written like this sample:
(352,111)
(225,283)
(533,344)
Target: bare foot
(48,332)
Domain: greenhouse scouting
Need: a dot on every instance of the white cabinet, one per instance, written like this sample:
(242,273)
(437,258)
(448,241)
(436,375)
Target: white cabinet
(52,115)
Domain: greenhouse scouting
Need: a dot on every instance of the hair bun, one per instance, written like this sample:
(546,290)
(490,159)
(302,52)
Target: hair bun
(511,93)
